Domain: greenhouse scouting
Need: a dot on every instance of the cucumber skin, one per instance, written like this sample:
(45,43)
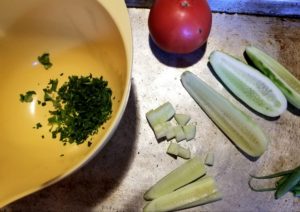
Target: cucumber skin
(200,192)
(231,71)
(260,59)
(236,124)
(184,174)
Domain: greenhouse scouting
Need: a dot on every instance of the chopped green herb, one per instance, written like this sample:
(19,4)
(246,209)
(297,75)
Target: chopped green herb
(89,143)
(82,104)
(27,97)
(53,84)
(44,59)
(38,125)
(44,104)
(62,155)
(39,102)
(47,96)
(61,74)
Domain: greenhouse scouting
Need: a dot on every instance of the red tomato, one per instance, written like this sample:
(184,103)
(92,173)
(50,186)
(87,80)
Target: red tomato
(180,26)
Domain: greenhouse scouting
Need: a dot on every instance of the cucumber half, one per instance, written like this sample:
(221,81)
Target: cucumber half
(248,84)
(236,124)
(281,77)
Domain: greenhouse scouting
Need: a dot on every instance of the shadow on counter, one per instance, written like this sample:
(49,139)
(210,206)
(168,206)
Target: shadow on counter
(94,182)
(176,60)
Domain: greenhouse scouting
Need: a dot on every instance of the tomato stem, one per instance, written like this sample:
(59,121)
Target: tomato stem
(185,4)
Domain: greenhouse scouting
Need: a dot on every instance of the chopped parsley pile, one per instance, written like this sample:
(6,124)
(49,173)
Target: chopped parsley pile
(80,106)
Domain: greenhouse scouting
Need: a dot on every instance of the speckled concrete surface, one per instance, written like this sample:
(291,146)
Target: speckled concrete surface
(132,161)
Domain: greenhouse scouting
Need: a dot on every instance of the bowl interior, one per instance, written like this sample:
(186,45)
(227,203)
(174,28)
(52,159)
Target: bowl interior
(82,38)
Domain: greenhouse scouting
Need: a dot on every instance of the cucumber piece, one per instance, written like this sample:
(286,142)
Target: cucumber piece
(248,84)
(161,129)
(161,114)
(281,77)
(189,131)
(179,133)
(209,159)
(184,153)
(184,174)
(176,150)
(236,124)
(170,133)
(197,193)
(173,149)
(182,119)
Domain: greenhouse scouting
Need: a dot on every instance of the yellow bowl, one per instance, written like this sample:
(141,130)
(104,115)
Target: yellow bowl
(82,37)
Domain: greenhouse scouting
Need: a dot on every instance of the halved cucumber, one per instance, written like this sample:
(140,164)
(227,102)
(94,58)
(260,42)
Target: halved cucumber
(237,125)
(184,174)
(200,192)
(281,77)
(248,84)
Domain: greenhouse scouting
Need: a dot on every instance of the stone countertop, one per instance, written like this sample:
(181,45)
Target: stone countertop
(132,161)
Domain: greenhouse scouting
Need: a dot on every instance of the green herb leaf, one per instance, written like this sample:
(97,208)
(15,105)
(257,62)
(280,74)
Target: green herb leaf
(38,125)
(53,84)
(27,97)
(44,59)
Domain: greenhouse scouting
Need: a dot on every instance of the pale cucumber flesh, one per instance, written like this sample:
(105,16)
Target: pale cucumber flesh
(182,119)
(161,114)
(161,129)
(184,174)
(189,131)
(199,192)
(236,124)
(179,133)
(281,77)
(173,149)
(184,153)
(177,150)
(248,84)
(209,159)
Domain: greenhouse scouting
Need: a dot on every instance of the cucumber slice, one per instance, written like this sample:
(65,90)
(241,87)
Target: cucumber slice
(209,159)
(179,133)
(281,77)
(170,133)
(184,174)
(176,150)
(173,149)
(236,124)
(199,192)
(189,131)
(161,129)
(248,84)
(184,153)
(161,114)
(182,119)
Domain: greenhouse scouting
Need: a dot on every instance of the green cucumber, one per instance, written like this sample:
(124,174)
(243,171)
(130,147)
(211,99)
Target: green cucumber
(236,124)
(176,150)
(184,153)
(189,131)
(173,149)
(179,133)
(182,119)
(248,84)
(209,159)
(281,77)
(170,133)
(184,174)
(161,129)
(197,193)
(161,114)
